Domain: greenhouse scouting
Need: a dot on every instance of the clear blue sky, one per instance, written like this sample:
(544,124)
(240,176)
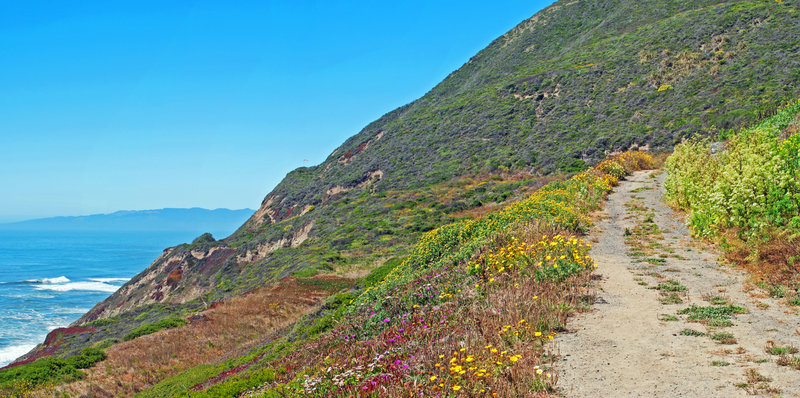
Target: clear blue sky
(113,105)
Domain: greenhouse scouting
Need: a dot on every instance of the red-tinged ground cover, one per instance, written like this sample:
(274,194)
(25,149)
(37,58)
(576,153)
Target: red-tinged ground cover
(50,344)
(227,329)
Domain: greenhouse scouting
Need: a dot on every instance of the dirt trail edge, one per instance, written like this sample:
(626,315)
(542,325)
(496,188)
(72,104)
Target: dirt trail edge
(643,338)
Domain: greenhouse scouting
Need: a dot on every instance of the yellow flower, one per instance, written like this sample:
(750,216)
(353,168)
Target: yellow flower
(433,378)
(456,388)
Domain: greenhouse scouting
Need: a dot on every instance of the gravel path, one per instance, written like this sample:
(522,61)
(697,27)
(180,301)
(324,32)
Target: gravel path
(634,343)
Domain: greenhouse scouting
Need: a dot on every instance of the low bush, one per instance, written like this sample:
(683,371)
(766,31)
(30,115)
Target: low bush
(746,194)
(15,381)
(165,323)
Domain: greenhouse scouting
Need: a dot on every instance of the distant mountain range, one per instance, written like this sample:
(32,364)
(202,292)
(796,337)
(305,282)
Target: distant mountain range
(170,219)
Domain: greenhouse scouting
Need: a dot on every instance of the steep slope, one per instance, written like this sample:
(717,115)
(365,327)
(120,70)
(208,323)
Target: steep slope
(559,91)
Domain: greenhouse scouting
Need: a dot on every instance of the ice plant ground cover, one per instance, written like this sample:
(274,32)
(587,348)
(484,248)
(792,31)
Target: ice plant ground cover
(469,311)
(746,195)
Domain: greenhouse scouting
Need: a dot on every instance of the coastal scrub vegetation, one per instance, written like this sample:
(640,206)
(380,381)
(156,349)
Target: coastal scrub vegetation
(21,380)
(165,323)
(744,193)
(470,309)
(557,93)
(460,201)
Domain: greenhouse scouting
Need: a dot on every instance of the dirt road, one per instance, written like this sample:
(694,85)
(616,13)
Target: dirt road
(637,343)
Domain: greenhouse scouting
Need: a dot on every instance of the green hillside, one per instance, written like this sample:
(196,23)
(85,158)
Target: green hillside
(557,94)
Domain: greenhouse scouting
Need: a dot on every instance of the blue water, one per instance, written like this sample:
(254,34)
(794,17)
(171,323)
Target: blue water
(49,279)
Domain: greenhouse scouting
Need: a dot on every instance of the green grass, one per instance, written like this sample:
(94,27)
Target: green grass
(376,276)
(781,350)
(672,298)
(48,370)
(671,286)
(717,300)
(691,332)
(697,313)
(166,323)
(723,338)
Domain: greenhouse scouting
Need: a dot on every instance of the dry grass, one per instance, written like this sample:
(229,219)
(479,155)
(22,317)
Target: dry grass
(227,330)
(775,260)
(659,159)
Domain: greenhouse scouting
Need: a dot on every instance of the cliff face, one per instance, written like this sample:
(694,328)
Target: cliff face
(576,81)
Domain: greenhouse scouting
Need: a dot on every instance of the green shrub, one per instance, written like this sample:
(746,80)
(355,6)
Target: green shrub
(49,369)
(102,322)
(377,275)
(166,323)
(752,185)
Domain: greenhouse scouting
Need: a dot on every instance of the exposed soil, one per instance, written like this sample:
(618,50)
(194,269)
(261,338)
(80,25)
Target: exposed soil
(632,344)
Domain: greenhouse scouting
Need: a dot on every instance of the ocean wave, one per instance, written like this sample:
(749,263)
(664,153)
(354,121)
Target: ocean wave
(68,310)
(27,295)
(60,279)
(87,286)
(109,280)
(10,353)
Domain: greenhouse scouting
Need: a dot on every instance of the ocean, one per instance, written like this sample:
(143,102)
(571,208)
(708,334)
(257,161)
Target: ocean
(49,279)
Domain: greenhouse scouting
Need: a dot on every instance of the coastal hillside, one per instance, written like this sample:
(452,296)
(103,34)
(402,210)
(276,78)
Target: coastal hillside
(556,93)
(447,181)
